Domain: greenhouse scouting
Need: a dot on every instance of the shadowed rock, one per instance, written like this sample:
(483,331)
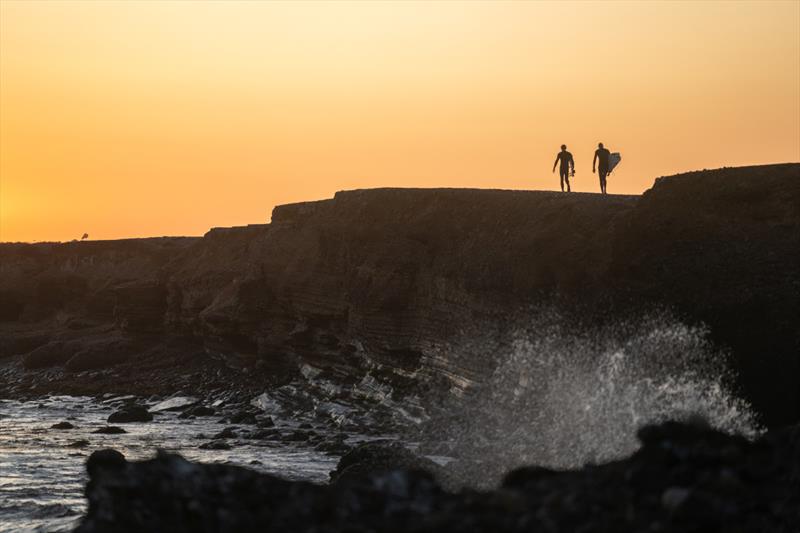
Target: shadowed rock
(131,413)
(684,478)
(109,430)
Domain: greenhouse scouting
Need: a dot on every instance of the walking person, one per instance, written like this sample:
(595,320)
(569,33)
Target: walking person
(602,155)
(567,166)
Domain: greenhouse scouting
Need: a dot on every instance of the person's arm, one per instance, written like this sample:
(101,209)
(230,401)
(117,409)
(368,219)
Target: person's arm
(572,163)
(594,161)
(558,156)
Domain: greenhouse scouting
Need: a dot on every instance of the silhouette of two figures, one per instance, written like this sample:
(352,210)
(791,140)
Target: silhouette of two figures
(567,168)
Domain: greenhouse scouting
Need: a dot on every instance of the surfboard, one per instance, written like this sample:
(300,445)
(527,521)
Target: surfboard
(613,161)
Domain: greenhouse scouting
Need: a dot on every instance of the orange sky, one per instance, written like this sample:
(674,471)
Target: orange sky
(155,118)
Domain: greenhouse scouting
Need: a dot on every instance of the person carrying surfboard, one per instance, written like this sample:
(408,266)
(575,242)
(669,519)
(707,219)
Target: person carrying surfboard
(602,154)
(567,166)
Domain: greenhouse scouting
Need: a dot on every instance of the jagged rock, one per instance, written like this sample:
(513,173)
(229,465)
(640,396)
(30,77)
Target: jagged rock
(109,430)
(131,413)
(676,480)
(335,445)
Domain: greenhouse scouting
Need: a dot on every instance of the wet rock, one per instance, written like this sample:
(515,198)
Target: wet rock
(176,403)
(243,417)
(265,434)
(334,446)
(109,430)
(227,433)
(372,458)
(215,445)
(131,413)
(198,410)
(105,462)
(297,436)
(62,425)
(78,444)
(265,422)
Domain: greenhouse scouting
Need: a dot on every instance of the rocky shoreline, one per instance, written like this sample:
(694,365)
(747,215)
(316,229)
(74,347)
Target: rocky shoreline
(685,478)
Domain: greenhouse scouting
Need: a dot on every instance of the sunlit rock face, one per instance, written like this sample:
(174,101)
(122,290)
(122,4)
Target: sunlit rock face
(401,285)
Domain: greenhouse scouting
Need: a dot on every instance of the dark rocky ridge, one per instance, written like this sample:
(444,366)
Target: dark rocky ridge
(685,478)
(399,277)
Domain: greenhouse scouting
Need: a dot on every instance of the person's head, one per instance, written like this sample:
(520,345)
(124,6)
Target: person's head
(563,147)
(599,145)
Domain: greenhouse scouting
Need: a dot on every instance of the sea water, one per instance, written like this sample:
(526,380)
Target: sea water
(42,477)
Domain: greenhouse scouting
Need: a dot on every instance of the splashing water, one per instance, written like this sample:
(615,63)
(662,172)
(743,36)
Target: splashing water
(562,398)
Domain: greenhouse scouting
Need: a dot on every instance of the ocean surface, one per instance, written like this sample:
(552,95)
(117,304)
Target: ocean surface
(42,473)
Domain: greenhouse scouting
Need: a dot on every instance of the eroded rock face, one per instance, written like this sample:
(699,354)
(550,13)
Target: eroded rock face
(395,281)
(684,478)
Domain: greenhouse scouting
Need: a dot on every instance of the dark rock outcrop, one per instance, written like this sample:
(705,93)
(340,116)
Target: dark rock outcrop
(130,413)
(685,478)
(375,458)
(394,281)
(109,430)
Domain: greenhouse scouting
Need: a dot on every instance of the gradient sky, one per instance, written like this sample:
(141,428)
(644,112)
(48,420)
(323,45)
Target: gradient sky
(125,119)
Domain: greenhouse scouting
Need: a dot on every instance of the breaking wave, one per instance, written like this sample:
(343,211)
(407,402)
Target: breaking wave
(562,398)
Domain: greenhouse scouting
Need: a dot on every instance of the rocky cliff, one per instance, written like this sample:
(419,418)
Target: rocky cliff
(398,279)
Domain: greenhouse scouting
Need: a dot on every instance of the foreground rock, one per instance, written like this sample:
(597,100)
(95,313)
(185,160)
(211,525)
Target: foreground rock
(685,478)
(376,458)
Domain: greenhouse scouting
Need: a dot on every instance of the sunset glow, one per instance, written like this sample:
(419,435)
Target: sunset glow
(126,119)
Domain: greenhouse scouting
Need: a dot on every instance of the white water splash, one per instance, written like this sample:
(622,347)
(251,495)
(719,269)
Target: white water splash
(563,398)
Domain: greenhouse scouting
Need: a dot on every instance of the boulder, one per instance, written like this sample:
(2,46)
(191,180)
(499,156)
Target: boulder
(198,410)
(373,458)
(130,413)
(109,430)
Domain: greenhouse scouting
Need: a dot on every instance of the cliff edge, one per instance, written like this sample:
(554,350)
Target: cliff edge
(397,277)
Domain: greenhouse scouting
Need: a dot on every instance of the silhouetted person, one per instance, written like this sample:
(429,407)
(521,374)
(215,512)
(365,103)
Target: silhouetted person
(602,155)
(567,166)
